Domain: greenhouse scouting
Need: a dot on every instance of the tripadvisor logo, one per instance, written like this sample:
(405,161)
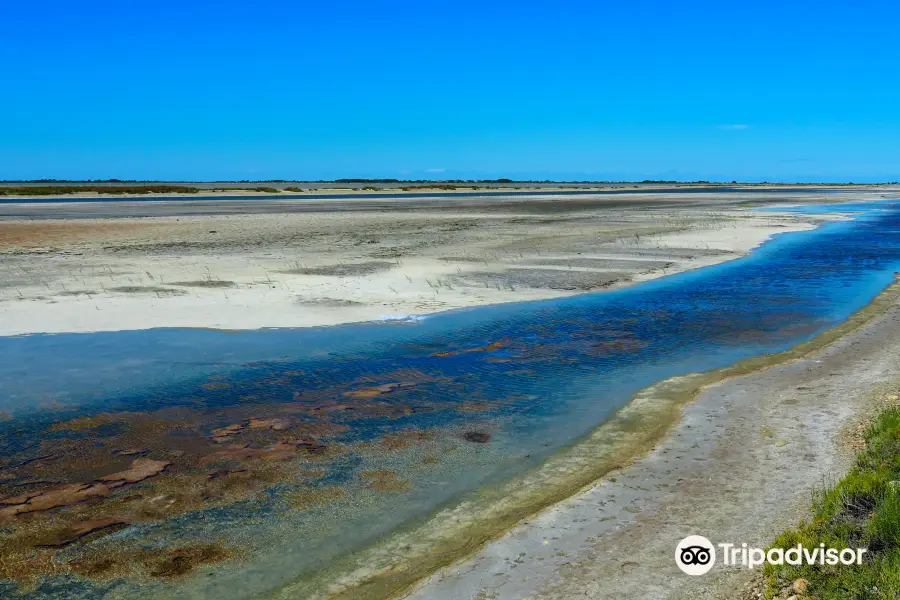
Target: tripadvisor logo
(696,555)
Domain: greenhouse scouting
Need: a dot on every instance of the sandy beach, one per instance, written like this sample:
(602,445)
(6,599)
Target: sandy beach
(109,266)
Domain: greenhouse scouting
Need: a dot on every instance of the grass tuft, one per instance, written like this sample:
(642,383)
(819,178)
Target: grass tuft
(860,511)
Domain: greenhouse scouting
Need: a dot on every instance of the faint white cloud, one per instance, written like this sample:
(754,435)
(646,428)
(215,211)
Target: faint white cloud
(734,127)
(441,170)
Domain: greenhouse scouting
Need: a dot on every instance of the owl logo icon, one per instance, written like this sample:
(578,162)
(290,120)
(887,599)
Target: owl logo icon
(695,555)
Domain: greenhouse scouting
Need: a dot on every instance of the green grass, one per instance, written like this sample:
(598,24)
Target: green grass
(860,511)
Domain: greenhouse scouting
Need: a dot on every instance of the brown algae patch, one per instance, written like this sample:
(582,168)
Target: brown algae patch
(488,348)
(140,470)
(385,481)
(95,475)
(64,495)
(142,564)
(477,437)
(383,474)
(469,406)
(76,531)
(215,385)
(316,495)
(407,438)
(393,566)
(86,423)
(76,493)
(377,390)
(390,485)
(180,561)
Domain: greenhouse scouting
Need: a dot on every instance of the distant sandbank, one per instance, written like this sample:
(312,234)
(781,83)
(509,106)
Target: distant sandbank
(325,266)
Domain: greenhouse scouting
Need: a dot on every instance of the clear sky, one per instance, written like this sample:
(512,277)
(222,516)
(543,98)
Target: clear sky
(690,89)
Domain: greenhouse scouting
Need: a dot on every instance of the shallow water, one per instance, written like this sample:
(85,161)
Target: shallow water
(284,449)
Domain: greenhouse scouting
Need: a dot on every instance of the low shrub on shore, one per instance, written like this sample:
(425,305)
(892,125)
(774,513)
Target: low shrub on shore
(860,511)
(52,190)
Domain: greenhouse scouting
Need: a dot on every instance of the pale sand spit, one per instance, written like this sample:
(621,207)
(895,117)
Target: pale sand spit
(302,269)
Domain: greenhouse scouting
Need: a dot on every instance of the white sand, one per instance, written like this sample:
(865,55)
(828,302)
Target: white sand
(109,279)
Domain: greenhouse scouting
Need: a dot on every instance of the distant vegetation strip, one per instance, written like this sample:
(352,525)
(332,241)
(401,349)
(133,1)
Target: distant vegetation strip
(53,190)
(267,190)
(99,189)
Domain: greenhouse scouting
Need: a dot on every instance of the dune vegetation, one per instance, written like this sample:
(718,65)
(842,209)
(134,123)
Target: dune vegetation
(51,190)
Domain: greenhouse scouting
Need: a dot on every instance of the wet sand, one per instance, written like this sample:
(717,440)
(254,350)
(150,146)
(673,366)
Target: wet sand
(107,266)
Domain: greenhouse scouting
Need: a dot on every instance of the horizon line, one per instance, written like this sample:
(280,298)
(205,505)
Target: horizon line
(442,181)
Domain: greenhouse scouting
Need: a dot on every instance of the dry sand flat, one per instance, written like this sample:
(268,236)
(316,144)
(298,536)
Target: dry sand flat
(295,264)
(738,467)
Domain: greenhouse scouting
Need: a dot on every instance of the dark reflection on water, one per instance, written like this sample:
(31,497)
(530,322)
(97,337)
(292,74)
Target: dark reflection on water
(344,433)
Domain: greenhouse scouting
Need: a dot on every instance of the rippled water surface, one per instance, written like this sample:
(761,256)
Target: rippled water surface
(191,463)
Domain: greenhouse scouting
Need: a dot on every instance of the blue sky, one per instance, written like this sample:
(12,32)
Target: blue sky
(765,90)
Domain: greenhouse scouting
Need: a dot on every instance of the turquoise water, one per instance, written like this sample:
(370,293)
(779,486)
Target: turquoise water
(341,434)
